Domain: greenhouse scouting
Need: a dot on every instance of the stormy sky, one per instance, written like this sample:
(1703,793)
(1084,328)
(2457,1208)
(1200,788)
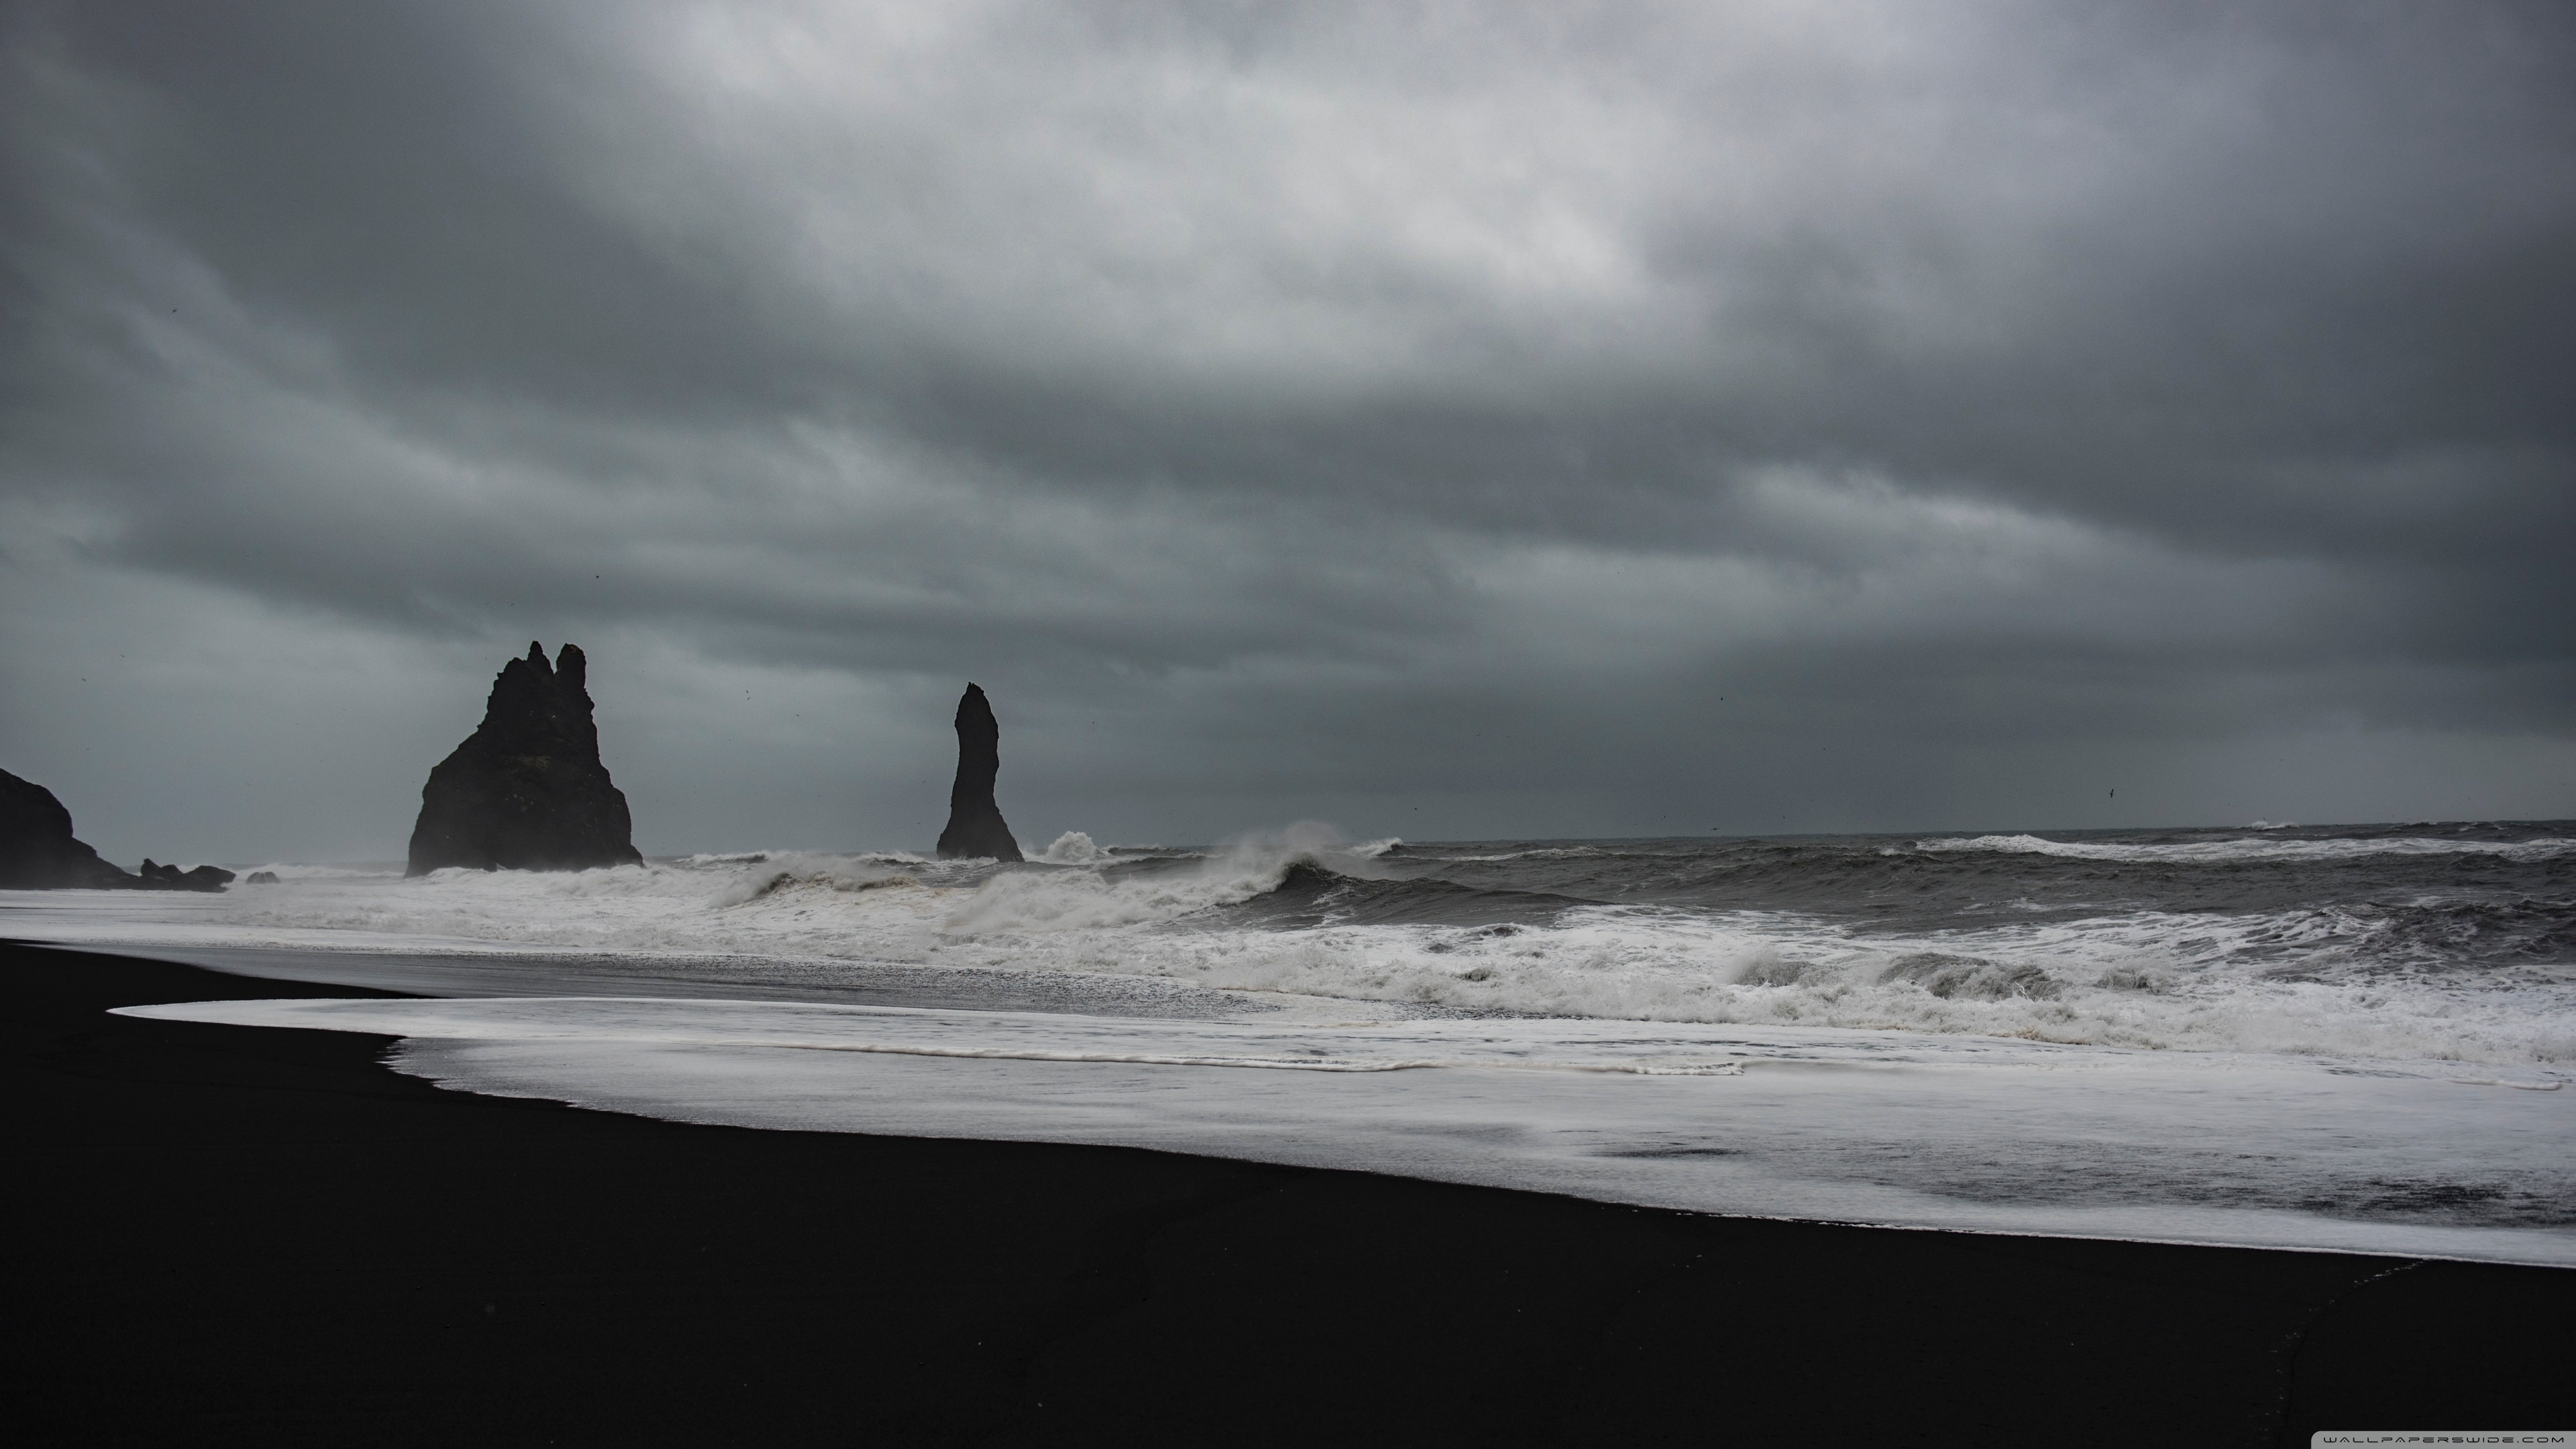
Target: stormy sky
(1443,421)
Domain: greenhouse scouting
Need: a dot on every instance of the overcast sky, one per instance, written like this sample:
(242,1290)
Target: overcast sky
(1444,421)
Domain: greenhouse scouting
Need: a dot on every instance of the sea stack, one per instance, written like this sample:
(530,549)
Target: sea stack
(975,827)
(37,851)
(527,790)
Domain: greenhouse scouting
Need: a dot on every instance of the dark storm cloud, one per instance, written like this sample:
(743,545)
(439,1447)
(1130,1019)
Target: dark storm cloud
(1351,401)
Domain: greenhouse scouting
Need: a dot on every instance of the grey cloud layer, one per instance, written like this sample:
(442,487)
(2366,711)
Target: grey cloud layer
(1319,390)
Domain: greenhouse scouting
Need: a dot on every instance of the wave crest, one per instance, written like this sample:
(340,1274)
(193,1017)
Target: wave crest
(1074,847)
(1154,891)
(2214,851)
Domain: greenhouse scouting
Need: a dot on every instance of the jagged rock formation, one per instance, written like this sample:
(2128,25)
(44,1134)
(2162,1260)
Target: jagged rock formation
(975,825)
(527,790)
(37,851)
(171,878)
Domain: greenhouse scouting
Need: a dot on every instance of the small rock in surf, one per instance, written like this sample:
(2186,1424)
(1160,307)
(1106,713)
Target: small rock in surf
(172,878)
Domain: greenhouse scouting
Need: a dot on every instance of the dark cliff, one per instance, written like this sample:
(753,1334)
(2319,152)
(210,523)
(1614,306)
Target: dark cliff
(527,790)
(975,826)
(37,851)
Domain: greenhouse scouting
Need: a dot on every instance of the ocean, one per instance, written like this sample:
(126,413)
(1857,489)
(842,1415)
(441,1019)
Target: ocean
(2351,1038)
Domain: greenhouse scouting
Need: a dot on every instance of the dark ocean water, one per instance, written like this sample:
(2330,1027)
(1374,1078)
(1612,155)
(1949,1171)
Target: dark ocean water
(2462,897)
(2416,940)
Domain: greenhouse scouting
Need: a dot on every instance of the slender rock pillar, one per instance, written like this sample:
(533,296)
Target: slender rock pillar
(975,827)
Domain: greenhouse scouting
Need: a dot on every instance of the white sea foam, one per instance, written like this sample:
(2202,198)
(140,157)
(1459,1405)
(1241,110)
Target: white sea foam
(1853,1126)
(1538,852)
(2311,980)
(1074,847)
(287,870)
(2144,980)
(1052,902)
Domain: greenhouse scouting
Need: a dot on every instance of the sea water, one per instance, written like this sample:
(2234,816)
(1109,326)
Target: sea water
(2349,1038)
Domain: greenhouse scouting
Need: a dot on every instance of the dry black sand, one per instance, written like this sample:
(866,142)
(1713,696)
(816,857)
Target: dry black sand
(241,1235)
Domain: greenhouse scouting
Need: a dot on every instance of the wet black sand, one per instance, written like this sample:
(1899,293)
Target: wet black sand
(240,1235)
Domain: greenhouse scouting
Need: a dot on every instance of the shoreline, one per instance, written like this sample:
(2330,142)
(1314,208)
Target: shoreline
(256,1234)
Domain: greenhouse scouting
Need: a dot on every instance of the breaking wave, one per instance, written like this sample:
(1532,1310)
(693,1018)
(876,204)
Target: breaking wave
(2431,943)
(2229,850)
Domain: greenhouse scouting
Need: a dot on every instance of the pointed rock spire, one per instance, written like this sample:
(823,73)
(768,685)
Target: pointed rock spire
(975,826)
(527,790)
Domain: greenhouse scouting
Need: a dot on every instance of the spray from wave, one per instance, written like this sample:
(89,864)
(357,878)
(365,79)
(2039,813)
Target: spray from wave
(1154,890)
(1074,847)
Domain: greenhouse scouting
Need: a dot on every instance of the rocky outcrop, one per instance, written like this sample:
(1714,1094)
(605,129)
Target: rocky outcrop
(527,790)
(37,851)
(172,878)
(975,827)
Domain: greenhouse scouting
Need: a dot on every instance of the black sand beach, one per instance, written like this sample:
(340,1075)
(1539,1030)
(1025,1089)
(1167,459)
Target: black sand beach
(238,1235)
